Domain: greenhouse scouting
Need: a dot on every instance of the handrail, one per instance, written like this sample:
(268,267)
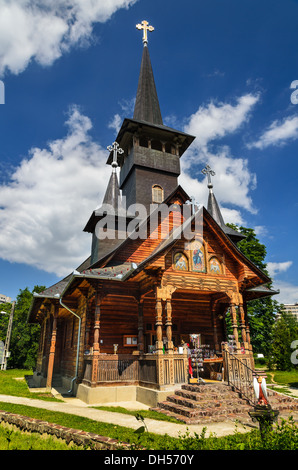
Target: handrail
(240,376)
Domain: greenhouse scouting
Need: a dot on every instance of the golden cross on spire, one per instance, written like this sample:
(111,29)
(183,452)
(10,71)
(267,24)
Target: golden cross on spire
(145,27)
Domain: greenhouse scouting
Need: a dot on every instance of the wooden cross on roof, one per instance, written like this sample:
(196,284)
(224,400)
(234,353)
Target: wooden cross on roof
(145,27)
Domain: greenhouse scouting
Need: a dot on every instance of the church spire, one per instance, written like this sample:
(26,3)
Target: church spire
(212,206)
(112,195)
(214,210)
(147,104)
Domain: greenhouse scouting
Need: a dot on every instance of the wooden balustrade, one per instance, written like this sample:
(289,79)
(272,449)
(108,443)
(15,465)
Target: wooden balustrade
(150,369)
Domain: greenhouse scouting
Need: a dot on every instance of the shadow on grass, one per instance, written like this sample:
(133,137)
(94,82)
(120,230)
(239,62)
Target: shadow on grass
(293,384)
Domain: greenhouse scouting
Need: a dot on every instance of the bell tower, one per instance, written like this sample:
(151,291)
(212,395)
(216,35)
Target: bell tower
(150,163)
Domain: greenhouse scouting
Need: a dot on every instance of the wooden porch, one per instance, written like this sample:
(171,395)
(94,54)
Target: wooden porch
(149,370)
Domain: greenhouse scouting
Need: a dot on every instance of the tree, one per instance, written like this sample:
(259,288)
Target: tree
(252,248)
(261,312)
(25,336)
(4,320)
(284,332)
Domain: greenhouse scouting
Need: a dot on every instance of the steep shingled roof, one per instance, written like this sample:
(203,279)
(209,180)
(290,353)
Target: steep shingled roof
(147,104)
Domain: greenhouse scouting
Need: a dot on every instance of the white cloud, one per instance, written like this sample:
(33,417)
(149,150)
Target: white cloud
(278,133)
(115,123)
(42,30)
(51,194)
(260,230)
(288,292)
(49,199)
(218,120)
(232,216)
(275,268)
(233,181)
(127,108)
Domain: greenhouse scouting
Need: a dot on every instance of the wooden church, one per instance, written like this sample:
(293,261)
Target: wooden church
(144,314)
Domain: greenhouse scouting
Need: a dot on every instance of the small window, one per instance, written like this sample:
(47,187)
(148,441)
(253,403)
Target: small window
(157,194)
(130,341)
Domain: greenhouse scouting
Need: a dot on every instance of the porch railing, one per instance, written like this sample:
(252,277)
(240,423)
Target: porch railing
(146,369)
(240,375)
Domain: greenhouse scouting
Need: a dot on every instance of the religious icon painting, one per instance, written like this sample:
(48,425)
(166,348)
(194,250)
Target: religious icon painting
(198,257)
(214,265)
(180,262)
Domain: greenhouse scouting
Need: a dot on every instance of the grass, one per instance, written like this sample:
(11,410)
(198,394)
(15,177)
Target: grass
(17,440)
(282,437)
(147,414)
(288,378)
(13,382)
(283,381)
(120,433)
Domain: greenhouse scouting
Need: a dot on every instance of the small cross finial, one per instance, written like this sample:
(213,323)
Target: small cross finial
(116,150)
(145,27)
(207,171)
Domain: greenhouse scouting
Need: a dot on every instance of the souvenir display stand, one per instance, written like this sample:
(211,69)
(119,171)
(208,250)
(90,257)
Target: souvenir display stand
(231,344)
(205,363)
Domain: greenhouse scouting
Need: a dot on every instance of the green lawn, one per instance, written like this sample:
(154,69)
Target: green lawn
(17,440)
(283,437)
(285,378)
(13,382)
(144,413)
(120,433)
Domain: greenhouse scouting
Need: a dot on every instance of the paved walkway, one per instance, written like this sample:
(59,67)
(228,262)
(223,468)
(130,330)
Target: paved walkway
(73,405)
(77,407)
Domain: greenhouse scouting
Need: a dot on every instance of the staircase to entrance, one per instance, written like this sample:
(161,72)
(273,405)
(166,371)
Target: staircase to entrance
(216,402)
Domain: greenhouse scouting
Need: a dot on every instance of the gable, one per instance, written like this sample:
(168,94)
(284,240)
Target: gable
(151,233)
(210,253)
(161,239)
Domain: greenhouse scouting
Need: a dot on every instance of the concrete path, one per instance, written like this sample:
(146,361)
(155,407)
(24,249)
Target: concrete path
(77,407)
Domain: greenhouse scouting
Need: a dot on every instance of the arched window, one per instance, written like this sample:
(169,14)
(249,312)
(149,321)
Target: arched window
(157,194)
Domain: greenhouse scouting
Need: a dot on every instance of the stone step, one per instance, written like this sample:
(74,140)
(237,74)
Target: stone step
(207,396)
(211,402)
(188,416)
(186,420)
(210,389)
(191,408)
(203,402)
(261,373)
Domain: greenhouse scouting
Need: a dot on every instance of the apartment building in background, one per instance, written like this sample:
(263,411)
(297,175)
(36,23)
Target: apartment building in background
(4,299)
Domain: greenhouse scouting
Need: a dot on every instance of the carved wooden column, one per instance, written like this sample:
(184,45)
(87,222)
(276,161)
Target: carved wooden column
(158,324)
(170,345)
(52,349)
(242,324)
(247,330)
(96,348)
(214,323)
(233,312)
(141,326)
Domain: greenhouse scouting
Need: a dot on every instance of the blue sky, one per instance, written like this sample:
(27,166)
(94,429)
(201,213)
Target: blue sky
(223,71)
